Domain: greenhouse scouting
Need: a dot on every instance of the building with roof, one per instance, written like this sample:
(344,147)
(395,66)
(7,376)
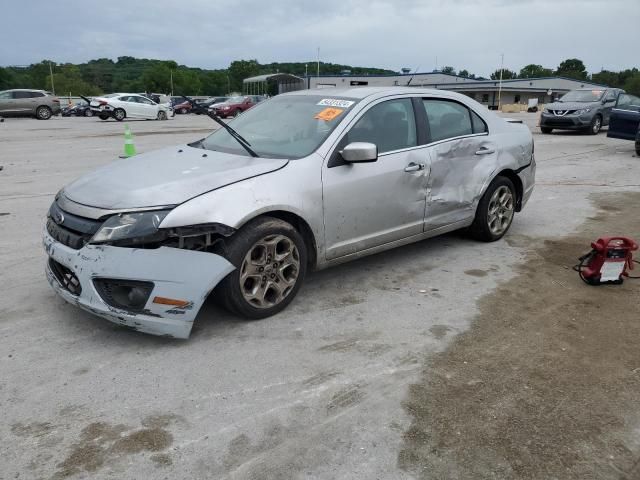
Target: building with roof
(487,92)
(272,84)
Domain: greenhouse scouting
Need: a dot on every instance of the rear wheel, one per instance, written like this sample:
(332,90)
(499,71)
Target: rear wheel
(495,211)
(270,257)
(546,129)
(43,113)
(119,114)
(88,113)
(104,116)
(596,125)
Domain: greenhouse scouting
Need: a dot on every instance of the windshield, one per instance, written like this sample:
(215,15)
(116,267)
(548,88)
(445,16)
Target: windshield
(583,96)
(287,126)
(111,95)
(235,100)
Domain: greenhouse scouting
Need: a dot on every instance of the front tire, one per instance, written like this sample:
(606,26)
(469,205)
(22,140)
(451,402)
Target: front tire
(162,115)
(43,113)
(270,257)
(183,111)
(495,211)
(119,114)
(103,116)
(596,125)
(546,129)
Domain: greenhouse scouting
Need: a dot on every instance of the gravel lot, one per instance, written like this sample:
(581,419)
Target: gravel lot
(444,359)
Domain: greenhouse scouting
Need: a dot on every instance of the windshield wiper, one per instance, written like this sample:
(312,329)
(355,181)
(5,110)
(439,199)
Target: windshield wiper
(246,145)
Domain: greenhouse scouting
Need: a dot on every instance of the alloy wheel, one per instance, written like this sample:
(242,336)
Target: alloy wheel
(501,210)
(269,271)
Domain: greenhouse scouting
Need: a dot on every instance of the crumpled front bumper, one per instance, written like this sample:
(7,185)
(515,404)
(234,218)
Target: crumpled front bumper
(177,274)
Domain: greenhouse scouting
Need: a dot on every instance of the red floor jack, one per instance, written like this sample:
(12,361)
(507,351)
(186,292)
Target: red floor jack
(608,262)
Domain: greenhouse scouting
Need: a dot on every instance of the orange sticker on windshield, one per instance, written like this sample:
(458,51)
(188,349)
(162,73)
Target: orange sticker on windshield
(328,114)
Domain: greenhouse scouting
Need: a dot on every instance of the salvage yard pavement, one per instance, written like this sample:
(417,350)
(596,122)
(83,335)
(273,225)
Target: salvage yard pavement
(443,359)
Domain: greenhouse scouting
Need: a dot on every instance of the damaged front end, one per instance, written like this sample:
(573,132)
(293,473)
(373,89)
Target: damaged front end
(124,268)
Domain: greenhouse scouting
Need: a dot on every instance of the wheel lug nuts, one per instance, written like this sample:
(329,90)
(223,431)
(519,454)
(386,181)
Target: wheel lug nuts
(273,275)
(261,269)
(275,265)
(264,279)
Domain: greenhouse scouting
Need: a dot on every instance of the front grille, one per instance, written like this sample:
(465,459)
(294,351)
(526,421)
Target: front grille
(562,113)
(65,277)
(560,122)
(70,230)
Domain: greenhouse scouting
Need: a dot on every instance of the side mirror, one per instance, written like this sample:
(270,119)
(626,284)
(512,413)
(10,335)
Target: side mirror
(360,152)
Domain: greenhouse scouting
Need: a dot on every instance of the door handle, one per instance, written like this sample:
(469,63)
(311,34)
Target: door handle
(485,151)
(414,167)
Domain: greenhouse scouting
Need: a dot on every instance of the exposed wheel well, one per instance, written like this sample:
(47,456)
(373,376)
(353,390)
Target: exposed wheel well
(302,227)
(513,176)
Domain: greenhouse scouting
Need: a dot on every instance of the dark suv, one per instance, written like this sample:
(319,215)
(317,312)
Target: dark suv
(29,103)
(585,109)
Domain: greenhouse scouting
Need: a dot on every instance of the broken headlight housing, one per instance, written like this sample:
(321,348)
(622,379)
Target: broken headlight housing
(135,227)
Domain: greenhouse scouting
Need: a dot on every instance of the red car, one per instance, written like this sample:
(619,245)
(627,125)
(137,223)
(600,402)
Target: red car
(184,107)
(236,105)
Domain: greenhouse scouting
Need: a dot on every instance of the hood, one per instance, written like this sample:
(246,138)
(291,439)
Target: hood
(165,177)
(572,105)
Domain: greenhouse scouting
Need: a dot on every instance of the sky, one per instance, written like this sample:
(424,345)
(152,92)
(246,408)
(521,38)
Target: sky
(417,34)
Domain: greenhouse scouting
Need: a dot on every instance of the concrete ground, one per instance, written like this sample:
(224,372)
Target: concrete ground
(333,387)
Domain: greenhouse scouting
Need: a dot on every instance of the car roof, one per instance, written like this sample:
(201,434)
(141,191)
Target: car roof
(24,90)
(365,92)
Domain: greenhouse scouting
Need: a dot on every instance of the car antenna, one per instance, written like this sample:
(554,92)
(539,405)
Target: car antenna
(414,74)
(241,140)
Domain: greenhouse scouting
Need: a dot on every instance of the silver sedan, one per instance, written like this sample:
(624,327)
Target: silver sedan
(301,181)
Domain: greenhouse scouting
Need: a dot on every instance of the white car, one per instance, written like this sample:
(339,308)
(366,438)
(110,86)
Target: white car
(129,105)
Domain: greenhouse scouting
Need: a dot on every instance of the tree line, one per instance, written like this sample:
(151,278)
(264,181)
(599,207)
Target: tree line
(628,79)
(129,74)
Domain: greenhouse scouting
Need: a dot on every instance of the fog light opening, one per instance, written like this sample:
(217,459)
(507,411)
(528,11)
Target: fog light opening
(129,295)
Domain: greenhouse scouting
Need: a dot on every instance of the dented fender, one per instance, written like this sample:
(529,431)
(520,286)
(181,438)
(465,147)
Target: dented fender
(177,274)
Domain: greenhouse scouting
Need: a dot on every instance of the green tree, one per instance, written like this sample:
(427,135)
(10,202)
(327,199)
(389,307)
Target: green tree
(533,71)
(68,80)
(632,84)
(572,68)
(241,69)
(214,82)
(156,78)
(606,77)
(448,70)
(506,74)
(187,82)
(6,78)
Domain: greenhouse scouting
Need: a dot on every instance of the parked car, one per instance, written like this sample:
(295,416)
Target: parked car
(234,106)
(201,107)
(129,105)
(183,107)
(624,122)
(79,109)
(304,181)
(585,109)
(30,103)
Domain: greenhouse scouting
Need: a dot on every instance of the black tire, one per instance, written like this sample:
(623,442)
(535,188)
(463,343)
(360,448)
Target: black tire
(103,116)
(546,129)
(596,125)
(88,113)
(229,291)
(119,114)
(480,228)
(43,113)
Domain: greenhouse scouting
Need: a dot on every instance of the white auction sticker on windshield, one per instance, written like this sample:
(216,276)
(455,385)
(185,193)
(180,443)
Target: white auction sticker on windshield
(334,102)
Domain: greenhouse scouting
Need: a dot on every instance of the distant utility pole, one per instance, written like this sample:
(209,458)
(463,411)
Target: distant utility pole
(318,70)
(500,85)
(53,88)
(172,83)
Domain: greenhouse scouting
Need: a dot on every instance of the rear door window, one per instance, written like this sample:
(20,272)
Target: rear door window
(22,95)
(447,119)
(477,123)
